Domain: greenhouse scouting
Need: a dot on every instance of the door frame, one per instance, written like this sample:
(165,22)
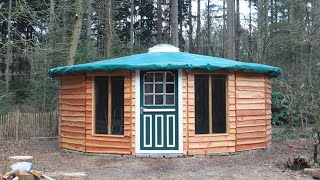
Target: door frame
(137,119)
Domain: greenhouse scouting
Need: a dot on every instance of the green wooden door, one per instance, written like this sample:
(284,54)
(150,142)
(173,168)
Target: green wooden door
(159,113)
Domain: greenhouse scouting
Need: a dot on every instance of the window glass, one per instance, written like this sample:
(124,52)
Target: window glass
(210,91)
(170,99)
(148,88)
(169,77)
(104,125)
(169,88)
(158,99)
(148,77)
(158,77)
(148,99)
(159,89)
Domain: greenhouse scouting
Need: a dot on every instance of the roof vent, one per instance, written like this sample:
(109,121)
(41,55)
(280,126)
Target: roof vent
(163,48)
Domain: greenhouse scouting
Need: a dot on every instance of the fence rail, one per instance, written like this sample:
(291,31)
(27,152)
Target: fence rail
(20,126)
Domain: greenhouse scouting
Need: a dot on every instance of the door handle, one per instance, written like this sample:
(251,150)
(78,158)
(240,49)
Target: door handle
(141,110)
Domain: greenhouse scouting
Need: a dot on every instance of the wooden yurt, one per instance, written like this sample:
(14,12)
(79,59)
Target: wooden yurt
(165,103)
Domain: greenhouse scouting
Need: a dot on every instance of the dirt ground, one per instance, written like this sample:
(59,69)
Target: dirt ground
(263,164)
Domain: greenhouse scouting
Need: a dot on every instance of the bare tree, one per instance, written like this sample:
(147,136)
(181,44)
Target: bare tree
(237,39)
(230,30)
(190,27)
(180,22)
(51,16)
(174,23)
(224,29)
(250,31)
(131,26)
(198,27)
(159,22)
(313,43)
(76,32)
(9,53)
(262,30)
(108,29)
(208,29)
(89,22)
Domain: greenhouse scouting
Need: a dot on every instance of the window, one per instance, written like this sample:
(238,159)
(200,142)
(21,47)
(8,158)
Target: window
(109,103)
(210,104)
(159,89)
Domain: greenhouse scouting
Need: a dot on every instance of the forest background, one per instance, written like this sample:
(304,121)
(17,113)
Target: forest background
(36,35)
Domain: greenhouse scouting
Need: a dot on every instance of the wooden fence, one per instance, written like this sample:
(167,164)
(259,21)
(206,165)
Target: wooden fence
(20,126)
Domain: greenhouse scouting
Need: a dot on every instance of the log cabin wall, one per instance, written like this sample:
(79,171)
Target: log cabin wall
(108,144)
(185,111)
(210,143)
(133,113)
(253,110)
(268,110)
(72,112)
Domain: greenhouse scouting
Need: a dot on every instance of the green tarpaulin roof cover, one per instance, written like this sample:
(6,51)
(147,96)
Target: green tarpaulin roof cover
(170,59)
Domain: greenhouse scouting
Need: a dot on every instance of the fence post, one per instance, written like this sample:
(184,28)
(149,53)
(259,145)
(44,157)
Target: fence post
(17,124)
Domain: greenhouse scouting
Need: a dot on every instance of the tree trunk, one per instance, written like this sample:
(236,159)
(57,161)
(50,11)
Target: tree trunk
(108,30)
(208,29)
(230,30)
(314,42)
(237,40)
(76,33)
(174,23)
(180,4)
(250,31)
(198,27)
(262,28)
(190,27)
(9,54)
(224,29)
(89,22)
(51,16)
(131,26)
(159,22)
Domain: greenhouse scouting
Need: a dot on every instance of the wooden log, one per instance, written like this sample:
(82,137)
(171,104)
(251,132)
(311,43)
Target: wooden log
(75,176)
(26,176)
(14,159)
(315,173)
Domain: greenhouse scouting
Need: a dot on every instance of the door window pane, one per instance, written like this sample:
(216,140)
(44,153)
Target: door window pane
(169,99)
(169,77)
(148,99)
(148,88)
(158,77)
(159,88)
(169,88)
(148,77)
(158,99)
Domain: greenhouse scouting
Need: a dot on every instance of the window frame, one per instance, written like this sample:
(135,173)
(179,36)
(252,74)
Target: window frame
(93,101)
(194,73)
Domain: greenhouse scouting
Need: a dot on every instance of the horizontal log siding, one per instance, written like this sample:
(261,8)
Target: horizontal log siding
(211,143)
(251,110)
(268,110)
(72,112)
(185,112)
(108,144)
(133,113)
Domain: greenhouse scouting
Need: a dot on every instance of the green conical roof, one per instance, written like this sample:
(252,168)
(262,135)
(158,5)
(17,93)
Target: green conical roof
(167,61)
